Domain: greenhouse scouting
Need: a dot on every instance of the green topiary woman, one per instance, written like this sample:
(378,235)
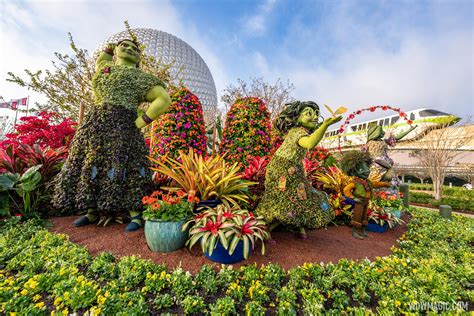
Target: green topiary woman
(106,173)
(289,197)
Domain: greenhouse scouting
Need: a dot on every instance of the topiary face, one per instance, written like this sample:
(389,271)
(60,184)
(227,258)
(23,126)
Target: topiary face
(308,118)
(356,163)
(129,51)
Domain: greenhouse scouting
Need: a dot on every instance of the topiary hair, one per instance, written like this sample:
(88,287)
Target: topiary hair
(288,118)
(352,159)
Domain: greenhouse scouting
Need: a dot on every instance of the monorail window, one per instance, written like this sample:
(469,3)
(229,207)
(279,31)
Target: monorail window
(412,116)
(387,120)
(364,126)
(426,113)
(394,120)
(381,123)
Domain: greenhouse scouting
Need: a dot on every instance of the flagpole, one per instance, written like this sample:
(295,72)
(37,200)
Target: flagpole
(16,115)
(27,103)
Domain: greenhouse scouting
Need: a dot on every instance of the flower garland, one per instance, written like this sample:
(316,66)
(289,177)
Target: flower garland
(351,116)
(247,131)
(182,127)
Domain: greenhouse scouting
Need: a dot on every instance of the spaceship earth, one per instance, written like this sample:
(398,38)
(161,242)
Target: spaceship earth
(187,62)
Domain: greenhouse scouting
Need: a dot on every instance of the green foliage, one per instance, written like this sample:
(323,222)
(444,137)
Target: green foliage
(24,185)
(41,273)
(456,202)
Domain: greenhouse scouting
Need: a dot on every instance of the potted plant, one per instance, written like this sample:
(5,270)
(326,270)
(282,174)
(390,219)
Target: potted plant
(392,201)
(164,217)
(380,218)
(227,234)
(208,178)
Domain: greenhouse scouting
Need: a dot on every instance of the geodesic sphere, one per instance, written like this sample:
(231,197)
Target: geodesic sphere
(187,62)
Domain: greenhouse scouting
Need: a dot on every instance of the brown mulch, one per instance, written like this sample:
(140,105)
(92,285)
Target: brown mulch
(322,245)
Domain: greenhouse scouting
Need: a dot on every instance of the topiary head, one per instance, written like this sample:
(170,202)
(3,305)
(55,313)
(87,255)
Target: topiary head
(298,113)
(128,50)
(356,163)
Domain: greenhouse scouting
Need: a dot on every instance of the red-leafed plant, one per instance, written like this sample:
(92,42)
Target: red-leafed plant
(255,172)
(46,130)
(228,226)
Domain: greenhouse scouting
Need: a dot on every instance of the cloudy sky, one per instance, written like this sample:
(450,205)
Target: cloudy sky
(408,54)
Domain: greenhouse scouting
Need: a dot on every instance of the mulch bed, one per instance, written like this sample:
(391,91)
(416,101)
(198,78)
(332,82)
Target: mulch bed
(322,245)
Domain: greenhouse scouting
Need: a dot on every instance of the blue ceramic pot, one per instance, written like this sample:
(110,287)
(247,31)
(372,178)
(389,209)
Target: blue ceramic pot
(376,228)
(221,255)
(203,205)
(165,236)
(397,213)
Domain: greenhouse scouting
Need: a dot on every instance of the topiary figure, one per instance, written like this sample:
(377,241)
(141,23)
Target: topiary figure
(247,131)
(181,128)
(289,197)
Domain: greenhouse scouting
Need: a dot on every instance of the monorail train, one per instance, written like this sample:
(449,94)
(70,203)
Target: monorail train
(356,134)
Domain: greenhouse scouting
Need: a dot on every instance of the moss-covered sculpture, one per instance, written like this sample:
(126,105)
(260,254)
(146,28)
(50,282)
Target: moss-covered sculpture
(106,173)
(356,164)
(289,197)
(377,147)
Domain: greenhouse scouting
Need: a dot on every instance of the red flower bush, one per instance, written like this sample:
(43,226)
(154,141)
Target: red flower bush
(181,128)
(45,130)
(247,131)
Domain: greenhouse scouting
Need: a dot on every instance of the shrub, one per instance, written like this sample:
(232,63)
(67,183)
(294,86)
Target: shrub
(46,130)
(247,131)
(180,128)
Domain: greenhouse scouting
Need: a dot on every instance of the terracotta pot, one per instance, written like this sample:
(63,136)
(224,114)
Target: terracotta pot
(165,236)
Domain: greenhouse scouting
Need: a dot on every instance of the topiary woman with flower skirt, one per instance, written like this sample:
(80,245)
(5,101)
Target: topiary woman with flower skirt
(106,173)
(289,197)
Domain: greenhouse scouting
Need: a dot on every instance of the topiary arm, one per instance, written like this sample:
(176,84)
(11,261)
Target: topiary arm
(348,190)
(309,142)
(160,102)
(105,56)
(380,184)
(405,133)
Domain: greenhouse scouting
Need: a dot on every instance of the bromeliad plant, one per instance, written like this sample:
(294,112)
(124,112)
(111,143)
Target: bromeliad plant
(205,177)
(227,225)
(335,180)
(381,215)
(168,207)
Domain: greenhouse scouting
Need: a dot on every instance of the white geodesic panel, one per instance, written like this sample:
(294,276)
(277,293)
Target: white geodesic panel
(194,71)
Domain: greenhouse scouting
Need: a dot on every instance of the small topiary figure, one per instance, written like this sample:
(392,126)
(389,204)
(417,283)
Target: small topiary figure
(247,131)
(289,197)
(181,128)
(356,164)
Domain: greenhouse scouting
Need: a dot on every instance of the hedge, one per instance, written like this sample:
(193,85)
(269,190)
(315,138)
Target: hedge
(43,273)
(462,204)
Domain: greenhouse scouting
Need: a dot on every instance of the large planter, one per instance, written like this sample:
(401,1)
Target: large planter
(376,228)
(221,255)
(165,236)
(203,205)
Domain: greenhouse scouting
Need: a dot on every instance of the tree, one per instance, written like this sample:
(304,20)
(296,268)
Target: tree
(274,95)
(67,85)
(438,150)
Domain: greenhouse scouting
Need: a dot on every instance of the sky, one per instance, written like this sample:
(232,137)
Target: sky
(407,54)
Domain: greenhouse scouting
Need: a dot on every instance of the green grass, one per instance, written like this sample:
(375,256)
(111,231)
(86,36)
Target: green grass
(42,272)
